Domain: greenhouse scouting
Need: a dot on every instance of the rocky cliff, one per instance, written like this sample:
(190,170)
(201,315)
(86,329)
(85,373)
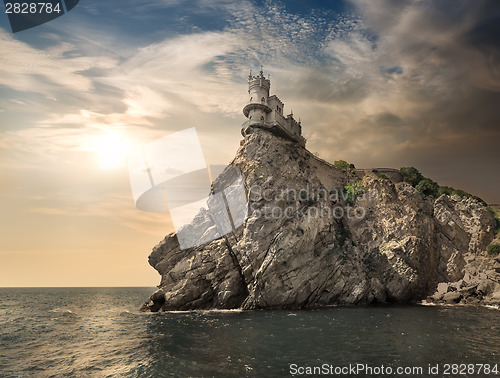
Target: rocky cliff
(309,242)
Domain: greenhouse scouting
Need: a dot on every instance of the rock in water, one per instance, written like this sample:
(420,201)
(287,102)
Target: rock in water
(306,243)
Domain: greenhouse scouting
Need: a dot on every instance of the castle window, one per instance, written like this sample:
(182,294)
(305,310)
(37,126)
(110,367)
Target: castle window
(263,99)
(251,98)
(262,118)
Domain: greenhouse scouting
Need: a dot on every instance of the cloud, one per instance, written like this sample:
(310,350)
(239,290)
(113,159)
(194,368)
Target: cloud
(185,70)
(143,102)
(27,69)
(383,85)
(443,92)
(62,138)
(115,207)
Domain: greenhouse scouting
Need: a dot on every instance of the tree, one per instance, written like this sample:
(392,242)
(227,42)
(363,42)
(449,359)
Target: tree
(428,187)
(411,175)
(341,164)
(446,190)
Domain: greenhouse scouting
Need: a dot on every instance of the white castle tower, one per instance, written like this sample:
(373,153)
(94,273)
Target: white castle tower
(266,111)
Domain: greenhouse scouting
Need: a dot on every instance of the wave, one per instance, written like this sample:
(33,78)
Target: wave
(63,312)
(432,304)
(215,311)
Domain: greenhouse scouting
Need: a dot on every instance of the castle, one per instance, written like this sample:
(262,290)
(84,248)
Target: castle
(266,112)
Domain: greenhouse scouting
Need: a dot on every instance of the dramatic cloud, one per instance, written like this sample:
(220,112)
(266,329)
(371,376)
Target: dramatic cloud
(374,82)
(28,69)
(445,88)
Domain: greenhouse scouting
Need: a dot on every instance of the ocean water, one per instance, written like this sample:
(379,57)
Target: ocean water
(99,332)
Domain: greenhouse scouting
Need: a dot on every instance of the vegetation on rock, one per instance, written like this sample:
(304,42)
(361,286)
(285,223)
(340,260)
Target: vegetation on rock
(411,175)
(452,191)
(494,249)
(343,164)
(428,187)
(353,191)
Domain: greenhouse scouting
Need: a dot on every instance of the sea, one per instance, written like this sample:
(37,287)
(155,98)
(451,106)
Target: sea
(100,332)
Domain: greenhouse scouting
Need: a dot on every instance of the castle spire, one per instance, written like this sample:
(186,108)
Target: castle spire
(261,70)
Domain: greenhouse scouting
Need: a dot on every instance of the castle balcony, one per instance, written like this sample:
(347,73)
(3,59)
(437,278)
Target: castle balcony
(274,127)
(256,105)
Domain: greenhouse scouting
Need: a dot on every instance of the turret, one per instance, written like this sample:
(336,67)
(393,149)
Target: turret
(258,88)
(258,92)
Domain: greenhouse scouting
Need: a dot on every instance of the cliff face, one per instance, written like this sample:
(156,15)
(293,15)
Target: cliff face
(306,243)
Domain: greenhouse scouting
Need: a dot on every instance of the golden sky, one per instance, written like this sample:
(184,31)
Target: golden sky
(375,83)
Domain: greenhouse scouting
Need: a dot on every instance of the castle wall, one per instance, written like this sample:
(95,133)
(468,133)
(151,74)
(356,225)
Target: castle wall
(275,104)
(276,117)
(256,115)
(393,174)
(294,126)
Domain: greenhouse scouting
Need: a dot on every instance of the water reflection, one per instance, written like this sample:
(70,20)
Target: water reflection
(99,332)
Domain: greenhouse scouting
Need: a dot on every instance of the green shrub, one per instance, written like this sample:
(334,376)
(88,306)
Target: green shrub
(382,176)
(428,187)
(446,190)
(452,191)
(341,164)
(411,175)
(461,193)
(494,249)
(496,214)
(354,190)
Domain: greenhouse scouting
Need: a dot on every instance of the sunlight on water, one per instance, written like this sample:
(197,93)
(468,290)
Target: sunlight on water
(99,332)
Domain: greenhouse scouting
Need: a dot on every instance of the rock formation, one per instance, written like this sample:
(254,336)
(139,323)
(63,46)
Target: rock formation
(308,243)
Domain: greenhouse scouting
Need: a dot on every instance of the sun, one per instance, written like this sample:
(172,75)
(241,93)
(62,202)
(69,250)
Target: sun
(113,149)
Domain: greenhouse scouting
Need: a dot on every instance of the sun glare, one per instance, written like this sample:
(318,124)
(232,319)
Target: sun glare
(113,150)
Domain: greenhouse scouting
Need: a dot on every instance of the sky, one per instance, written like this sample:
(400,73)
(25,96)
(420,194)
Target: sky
(378,83)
